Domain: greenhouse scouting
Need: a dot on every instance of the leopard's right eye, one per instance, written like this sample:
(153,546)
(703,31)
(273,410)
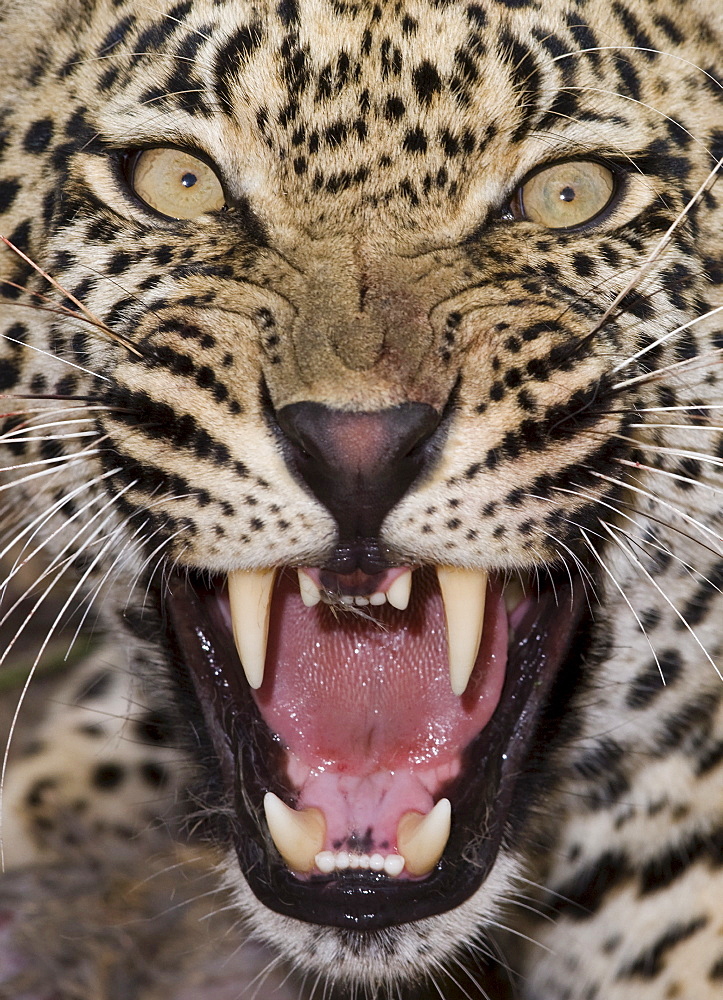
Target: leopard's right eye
(173,182)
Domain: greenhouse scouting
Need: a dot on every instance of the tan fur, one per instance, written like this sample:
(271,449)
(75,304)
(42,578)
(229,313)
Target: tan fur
(378,226)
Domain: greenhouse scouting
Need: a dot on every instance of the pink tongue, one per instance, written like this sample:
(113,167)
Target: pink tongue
(364,704)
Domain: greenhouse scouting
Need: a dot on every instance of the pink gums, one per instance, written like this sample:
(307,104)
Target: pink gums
(365,710)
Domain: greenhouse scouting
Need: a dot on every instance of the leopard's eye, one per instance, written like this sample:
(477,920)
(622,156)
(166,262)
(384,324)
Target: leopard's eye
(566,194)
(174,183)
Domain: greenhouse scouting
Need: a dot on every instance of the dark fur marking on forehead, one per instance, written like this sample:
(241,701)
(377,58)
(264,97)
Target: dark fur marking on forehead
(632,26)
(232,57)
(527,80)
(117,34)
(156,35)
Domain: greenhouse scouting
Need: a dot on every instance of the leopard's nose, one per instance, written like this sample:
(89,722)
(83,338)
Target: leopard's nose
(358,464)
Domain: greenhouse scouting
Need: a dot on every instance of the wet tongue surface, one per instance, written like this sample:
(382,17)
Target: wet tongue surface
(364,706)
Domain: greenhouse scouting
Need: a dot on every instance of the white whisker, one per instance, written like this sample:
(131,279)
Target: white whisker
(33,668)
(616,583)
(679,615)
(676,367)
(54,357)
(699,456)
(702,483)
(639,48)
(663,503)
(665,338)
(652,257)
(39,522)
(677,427)
(93,320)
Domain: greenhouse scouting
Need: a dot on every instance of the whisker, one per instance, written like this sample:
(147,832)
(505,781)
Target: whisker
(39,522)
(519,934)
(640,48)
(51,467)
(86,312)
(54,357)
(616,583)
(618,510)
(660,449)
(683,407)
(671,475)
(689,364)
(679,615)
(665,338)
(33,668)
(652,258)
(677,427)
(643,542)
(54,396)
(656,111)
(663,503)
(57,561)
(52,306)
(115,567)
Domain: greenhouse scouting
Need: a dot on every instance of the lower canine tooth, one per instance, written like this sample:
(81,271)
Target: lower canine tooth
(400,591)
(422,839)
(298,836)
(325,862)
(393,865)
(249,595)
(463,593)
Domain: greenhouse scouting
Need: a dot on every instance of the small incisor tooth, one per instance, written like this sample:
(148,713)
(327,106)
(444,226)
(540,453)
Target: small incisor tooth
(421,840)
(298,836)
(463,595)
(249,595)
(400,591)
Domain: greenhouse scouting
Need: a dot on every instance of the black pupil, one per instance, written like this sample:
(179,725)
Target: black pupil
(567,194)
(188,180)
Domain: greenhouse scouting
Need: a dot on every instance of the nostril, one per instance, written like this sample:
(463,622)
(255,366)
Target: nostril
(358,464)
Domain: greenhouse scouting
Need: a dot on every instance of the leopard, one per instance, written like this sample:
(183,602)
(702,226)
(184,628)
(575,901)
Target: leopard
(361,377)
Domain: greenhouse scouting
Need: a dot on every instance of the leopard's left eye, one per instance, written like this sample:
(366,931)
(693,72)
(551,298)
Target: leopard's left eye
(174,182)
(566,194)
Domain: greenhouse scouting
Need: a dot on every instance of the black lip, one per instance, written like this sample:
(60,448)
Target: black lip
(250,763)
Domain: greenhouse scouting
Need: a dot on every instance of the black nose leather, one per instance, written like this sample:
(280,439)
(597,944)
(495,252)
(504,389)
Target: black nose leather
(358,464)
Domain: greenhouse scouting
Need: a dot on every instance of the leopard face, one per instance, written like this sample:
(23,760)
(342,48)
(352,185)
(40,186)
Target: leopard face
(372,387)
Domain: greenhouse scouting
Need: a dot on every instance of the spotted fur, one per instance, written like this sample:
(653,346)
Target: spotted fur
(369,258)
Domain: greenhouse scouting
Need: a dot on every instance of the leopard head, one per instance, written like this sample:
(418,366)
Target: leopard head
(366,312)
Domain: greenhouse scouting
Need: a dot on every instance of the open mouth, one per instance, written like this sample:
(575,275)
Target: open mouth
(371,728)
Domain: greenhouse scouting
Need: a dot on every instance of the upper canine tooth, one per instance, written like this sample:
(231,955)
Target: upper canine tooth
(463,594)
(400,591)
(249,595)
(310,593)
(298,836)
(422,839)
